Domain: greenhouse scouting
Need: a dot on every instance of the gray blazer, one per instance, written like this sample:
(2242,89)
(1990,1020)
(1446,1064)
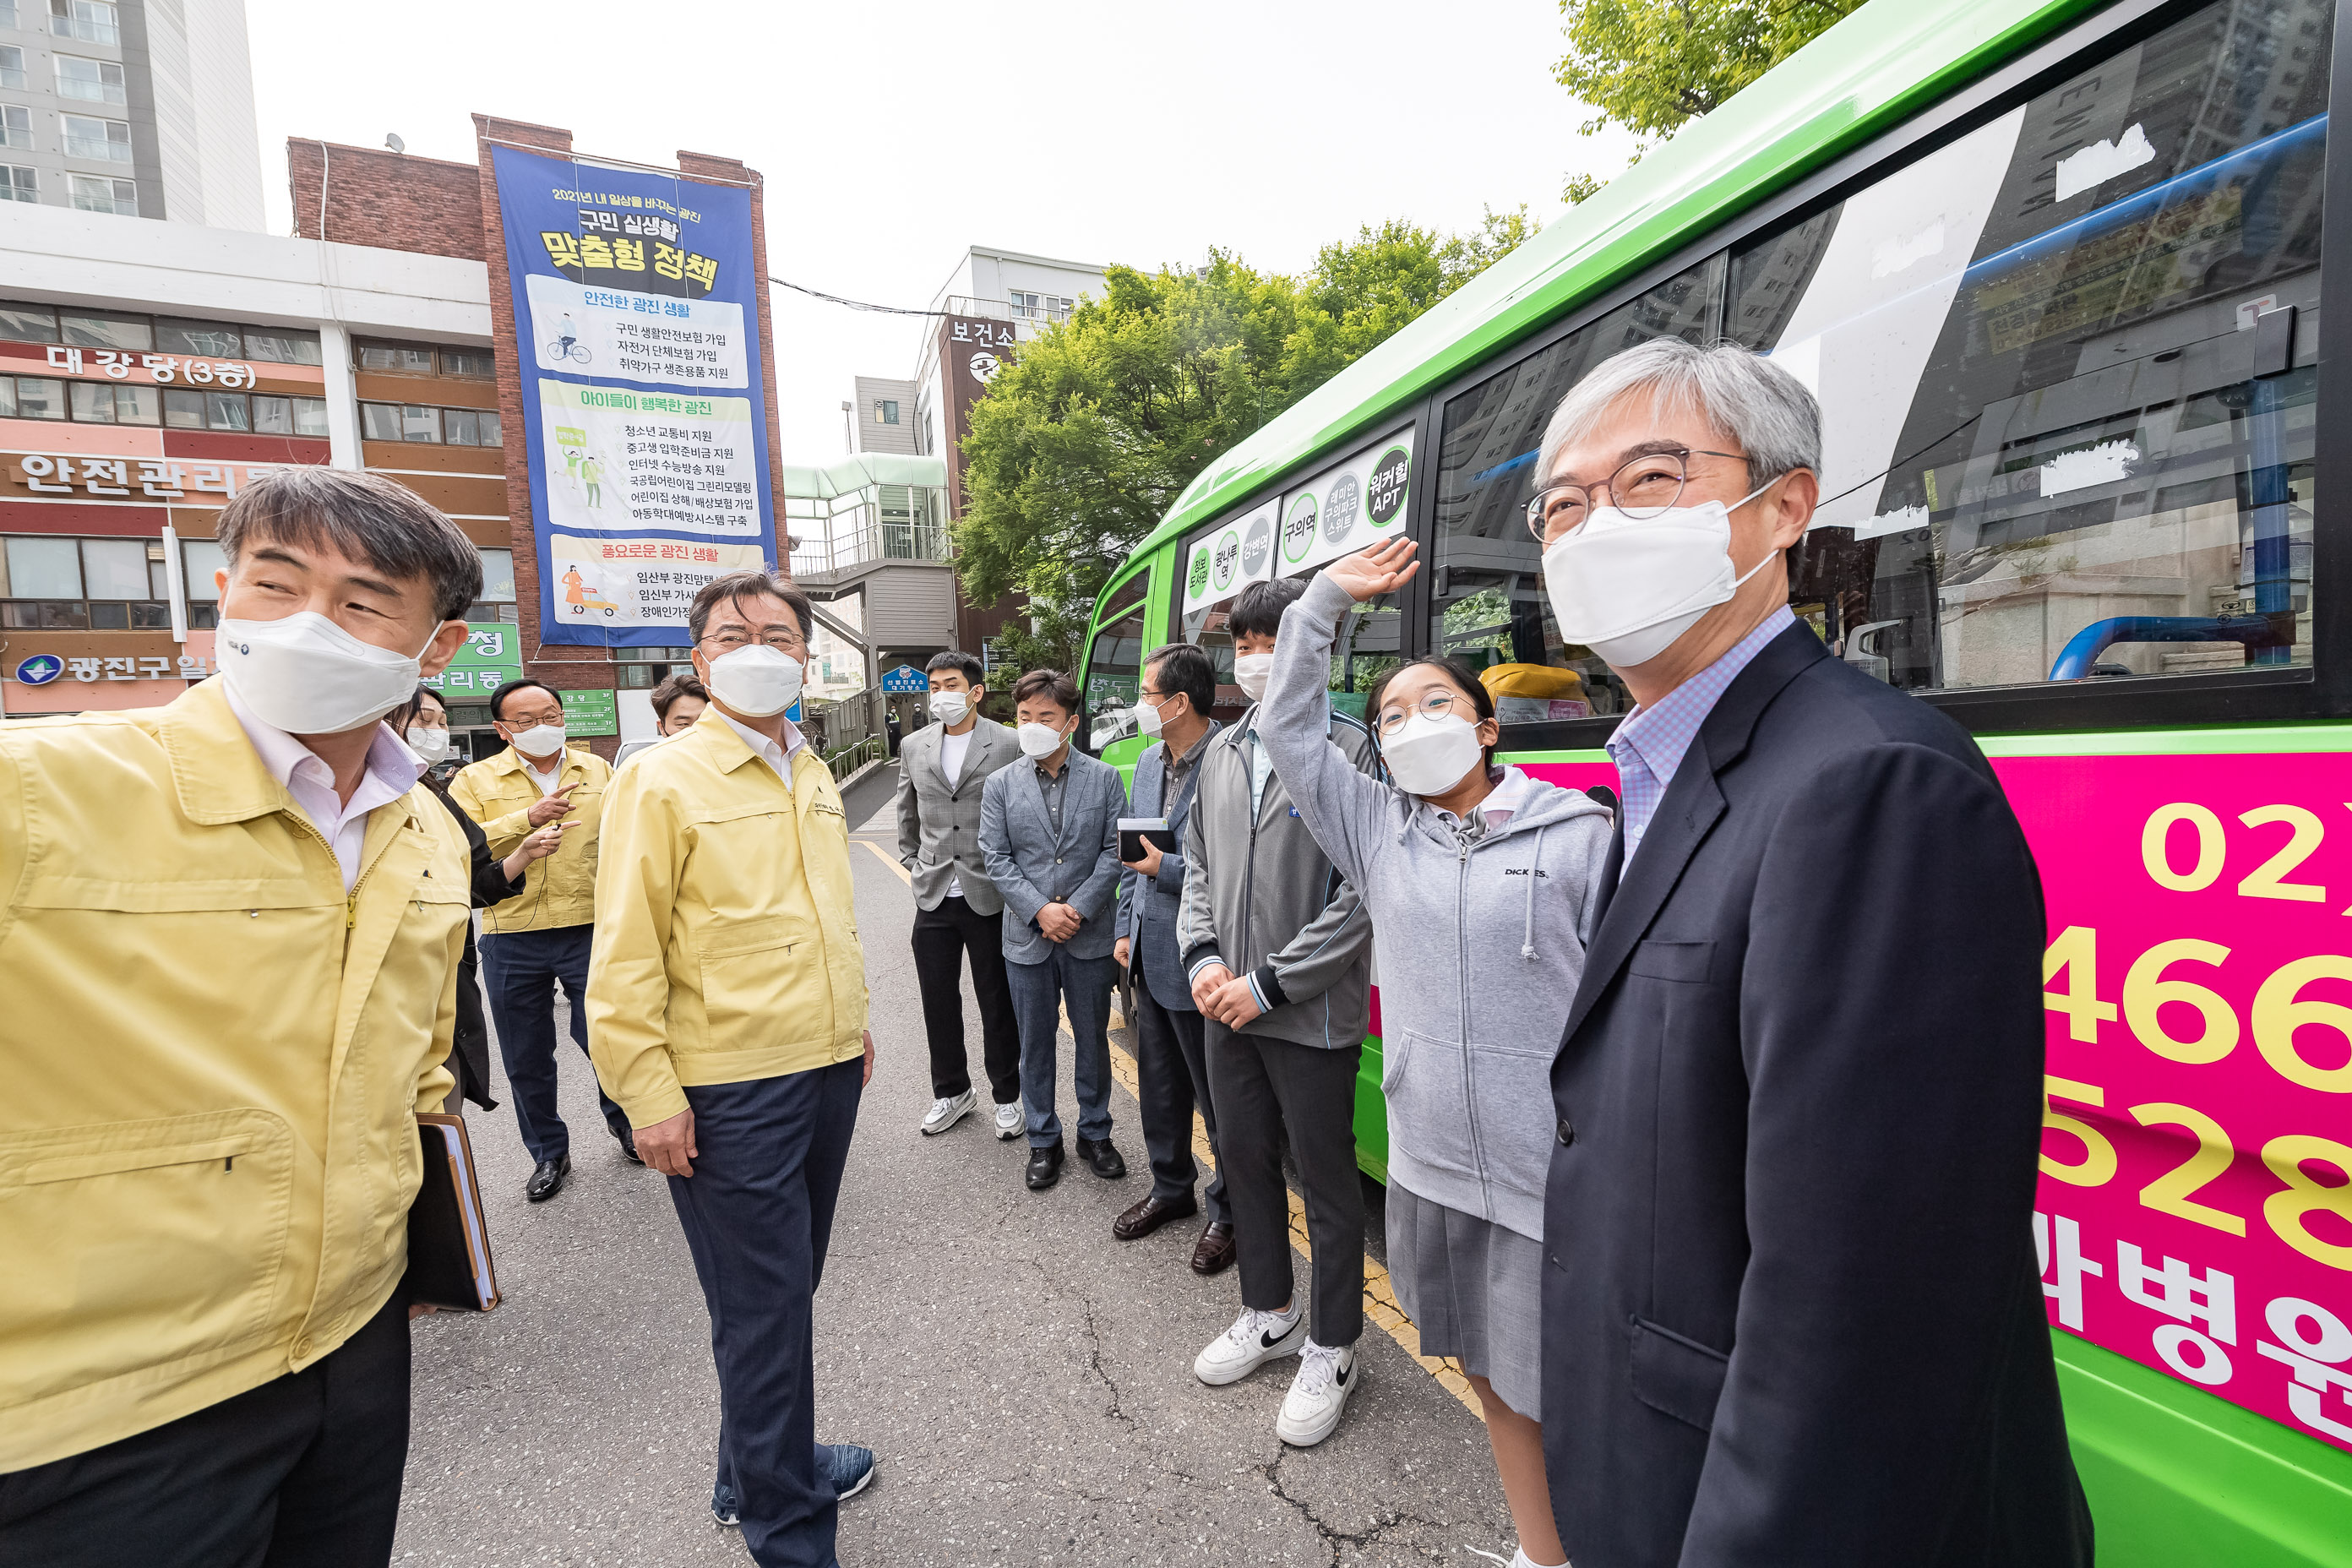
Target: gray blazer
(1147,909)
(939,825)
(1032,867)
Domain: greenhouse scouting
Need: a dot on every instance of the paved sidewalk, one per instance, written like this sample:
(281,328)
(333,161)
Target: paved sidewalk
(1025,1379)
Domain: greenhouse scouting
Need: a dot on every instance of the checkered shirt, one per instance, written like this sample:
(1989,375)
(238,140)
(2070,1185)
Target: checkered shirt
(1649,743)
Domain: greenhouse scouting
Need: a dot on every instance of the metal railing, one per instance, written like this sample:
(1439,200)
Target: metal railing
(815,557)
(851,758)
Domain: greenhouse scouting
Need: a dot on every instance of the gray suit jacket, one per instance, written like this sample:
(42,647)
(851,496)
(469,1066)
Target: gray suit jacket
(1147,907)
(939,825)
(1032,867)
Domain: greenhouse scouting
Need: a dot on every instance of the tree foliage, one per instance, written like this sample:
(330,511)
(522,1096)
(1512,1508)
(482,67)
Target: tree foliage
(1089,434)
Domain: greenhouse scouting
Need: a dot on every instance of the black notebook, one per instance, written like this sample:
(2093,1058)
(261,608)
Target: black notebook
(449,1241)
(1134,831)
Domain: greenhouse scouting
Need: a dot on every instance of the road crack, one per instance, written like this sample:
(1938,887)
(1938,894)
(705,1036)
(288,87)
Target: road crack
(1117,1411)
(1336,1539)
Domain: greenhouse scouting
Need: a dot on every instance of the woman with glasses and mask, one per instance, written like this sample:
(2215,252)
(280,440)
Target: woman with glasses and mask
(425,723)
(1477,880)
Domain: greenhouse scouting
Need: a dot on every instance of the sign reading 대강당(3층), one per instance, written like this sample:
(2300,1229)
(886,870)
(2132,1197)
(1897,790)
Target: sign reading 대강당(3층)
(637,307)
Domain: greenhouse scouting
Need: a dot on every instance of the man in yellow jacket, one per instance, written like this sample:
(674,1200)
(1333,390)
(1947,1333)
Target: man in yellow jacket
(544,935)
(230,934)
(727,1013)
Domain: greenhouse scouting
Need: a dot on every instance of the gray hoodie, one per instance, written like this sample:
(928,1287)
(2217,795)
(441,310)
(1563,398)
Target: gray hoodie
(1477,941)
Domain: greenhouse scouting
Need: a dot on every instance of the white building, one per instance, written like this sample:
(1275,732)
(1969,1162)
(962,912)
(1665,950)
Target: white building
(1027,291)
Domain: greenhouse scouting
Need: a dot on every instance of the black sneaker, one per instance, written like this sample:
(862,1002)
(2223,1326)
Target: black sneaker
(1044,1166)
(1105,1161)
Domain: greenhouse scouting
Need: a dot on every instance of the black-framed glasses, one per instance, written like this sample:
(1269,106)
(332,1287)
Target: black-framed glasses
(1642,488)
(1434,702)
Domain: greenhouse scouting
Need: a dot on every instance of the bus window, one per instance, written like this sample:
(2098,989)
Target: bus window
(2066,366)
(1113,663)
(1486,598)
(1366,646)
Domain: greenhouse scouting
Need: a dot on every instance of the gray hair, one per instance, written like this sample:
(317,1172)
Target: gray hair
(1769,412)
(365,516)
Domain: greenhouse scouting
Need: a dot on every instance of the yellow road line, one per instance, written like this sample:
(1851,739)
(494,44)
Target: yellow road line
(1380,1293)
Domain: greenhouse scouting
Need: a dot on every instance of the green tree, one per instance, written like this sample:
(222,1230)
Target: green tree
(1087,437)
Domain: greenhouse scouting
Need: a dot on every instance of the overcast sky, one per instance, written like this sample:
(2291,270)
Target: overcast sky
(895,136)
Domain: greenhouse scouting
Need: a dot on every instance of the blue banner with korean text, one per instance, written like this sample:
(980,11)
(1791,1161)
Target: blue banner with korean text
(645,407)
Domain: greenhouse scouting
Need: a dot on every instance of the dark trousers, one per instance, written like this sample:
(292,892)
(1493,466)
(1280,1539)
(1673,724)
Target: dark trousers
(301,1472)
(1266,1087)
(519,970)
(943,937)
(1171,1074)
(1041,992)
(758,1213)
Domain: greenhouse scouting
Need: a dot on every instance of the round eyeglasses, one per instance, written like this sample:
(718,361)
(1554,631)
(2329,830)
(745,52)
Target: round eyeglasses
(1642,488)
(1434,702)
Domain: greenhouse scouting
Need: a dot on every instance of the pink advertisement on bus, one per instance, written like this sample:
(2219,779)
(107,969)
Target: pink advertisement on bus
(2195,1211)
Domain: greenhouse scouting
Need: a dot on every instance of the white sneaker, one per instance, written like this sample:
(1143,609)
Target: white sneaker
(946,1113)
(1255,1339)
(1011,1123)
(1317,1394)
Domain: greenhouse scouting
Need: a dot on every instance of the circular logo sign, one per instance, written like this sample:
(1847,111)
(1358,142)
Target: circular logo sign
(1256,545)
(40,669)
(1299,531)
(1341,506)
(1200,579)
(984,367)
(1387,486)
(1229,555)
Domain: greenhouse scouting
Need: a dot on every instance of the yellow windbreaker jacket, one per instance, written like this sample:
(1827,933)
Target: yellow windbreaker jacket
(215,1056)
(560,890)
(726,938)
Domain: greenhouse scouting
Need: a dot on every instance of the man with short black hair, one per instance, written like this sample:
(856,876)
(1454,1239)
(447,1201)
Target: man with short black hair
(679,702)
(542,937)
(942,770)
(1178,685)
(232,927)
(1049,835)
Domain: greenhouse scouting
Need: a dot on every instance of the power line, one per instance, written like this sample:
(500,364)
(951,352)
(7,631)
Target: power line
(852,304)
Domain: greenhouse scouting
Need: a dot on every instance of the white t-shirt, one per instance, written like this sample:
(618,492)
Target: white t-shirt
(953,750)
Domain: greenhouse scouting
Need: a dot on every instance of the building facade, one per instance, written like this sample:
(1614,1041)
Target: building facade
(131,108)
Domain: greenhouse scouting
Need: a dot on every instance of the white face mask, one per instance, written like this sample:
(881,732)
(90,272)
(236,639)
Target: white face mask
(1039,742)
(307,676)
(431,744)
(1250,673)
(1431,755)
(755,680)
(539,741)
(950,708)
(1147,717)
(1627,587)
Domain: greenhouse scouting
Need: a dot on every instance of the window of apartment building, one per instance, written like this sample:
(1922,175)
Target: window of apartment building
(107,140)
(12,58)
(186,408)
(886,412)
(16,128)
(31,397)
(498,601)
(27,323)
(92,21)
(468,362)
(8,14)
(290,416)
(76,584)
(471,428)
(413,422)
(1040,307)
(203,558)
(212,340)
(280,345)
(399,359)
(110,402)
(95,194)
(93,81)
(91,330)
(18,184)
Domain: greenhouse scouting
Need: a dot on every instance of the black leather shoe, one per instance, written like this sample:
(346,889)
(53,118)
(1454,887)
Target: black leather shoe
(1107,1162)
(1214,1252)
(547,1179)
(1044,1166)
(1141,1219)
(628,1141)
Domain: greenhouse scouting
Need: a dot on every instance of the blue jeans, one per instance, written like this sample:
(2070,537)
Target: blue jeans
(1039,993)
(520,970)
(757,1215)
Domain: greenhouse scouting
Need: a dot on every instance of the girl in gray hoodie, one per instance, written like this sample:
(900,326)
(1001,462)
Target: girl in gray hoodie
(1476,879)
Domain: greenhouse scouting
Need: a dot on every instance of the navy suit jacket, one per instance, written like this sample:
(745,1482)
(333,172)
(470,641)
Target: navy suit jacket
(1792,1313)
(1147,905)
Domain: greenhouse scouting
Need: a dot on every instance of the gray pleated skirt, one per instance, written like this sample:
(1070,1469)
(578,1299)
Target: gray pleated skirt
(1475,1289)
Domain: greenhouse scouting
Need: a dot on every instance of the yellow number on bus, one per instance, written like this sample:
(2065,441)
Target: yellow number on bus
(2266,880)
(2277,1015)
(2144,992)
(2076,951)
(2170,1193)
(2154,849)
(2098,1163)
(2284,1210)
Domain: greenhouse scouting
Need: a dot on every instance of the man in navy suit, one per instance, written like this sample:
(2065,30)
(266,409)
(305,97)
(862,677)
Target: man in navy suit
(1792,1313)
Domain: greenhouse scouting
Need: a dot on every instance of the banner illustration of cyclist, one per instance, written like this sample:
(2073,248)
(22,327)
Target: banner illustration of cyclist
(636,316)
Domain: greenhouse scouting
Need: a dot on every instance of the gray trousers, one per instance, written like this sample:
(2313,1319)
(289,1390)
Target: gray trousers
(1171,1074)
(1263,1089)
(1040,992)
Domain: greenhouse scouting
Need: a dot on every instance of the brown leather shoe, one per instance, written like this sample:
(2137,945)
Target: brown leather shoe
(1141,1219)
(1214,1251)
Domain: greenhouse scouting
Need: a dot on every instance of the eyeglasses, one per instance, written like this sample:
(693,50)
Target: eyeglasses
(1642,488)
(782,641)
(1434,702)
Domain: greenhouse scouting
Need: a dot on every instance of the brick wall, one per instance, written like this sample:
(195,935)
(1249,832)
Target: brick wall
(392,200)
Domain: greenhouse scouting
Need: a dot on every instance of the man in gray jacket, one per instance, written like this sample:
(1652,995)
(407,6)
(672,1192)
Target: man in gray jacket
(958,911)
(1279,957)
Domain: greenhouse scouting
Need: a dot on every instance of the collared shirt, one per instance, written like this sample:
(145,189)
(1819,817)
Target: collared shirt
(545,780)
(1055,785)
(777,757)
(1651,743)
(1262,766)
(391,772)
(1177,767)
(1509,792)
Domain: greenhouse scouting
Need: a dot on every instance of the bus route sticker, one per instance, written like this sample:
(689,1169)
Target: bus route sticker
(1340,509)
(1387,486)
(1298,531)
(1229,556)
(1199,582)
(1257,546)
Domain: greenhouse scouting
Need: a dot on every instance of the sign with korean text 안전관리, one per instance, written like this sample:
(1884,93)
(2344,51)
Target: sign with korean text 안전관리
(645,413)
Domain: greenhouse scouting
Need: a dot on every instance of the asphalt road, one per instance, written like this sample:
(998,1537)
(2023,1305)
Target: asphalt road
(1024,1378)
